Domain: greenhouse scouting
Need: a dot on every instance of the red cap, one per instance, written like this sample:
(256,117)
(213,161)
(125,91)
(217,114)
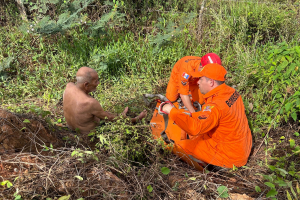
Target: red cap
(210,58)
(213,71)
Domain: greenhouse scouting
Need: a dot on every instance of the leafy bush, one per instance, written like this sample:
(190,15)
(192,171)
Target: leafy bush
(250,23)
(275,84)
(124,141)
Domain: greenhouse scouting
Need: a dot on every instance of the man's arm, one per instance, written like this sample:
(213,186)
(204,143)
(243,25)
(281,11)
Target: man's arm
(196,123)
(98,111)
(187,102)
(184,89)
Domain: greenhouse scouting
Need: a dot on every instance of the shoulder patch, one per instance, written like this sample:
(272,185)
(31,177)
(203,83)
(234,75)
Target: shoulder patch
(232,99)
(183,83)
(185,75)
(208,108)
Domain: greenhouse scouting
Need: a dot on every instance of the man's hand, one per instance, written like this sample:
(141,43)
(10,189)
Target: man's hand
(139,117)
(124,113)
(165,107)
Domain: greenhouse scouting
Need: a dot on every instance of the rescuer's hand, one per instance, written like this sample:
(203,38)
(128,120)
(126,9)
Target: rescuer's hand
(165,107)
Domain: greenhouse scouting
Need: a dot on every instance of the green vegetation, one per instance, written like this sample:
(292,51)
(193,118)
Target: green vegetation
(133,46)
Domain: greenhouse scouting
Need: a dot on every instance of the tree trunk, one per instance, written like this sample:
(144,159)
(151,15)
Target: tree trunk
(199,34)
(22,10)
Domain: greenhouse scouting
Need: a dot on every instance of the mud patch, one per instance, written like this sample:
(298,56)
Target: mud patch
(21,134)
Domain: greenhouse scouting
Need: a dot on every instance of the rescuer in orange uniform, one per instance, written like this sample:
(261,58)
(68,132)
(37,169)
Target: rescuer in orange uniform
(183,79)
(220,134)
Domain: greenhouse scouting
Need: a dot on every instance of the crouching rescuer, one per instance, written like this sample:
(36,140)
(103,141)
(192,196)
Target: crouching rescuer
(219,134)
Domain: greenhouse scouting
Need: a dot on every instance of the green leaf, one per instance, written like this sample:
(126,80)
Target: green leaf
(271,167)
(89,152)
(288,195)
(102,139)
(292,143)
(74,153)
(272,193)
(3,182)
(149,188)
(26,121)
(297,188)
(79,178)
(288,106)
(268,177)
(9,184)
(292,173)
(282,137)
(192,178)
(80,198)
(271,185)
(223,191)
(294,116)
(296,134)
(45,148)
(257,189)
(165,170)
(65,197)
(91,134)
(281,183)
(234,168)
(282,171)
(297,49)
(293,192)
(18,197)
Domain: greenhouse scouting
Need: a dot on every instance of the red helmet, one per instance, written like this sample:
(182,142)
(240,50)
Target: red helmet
(210,58)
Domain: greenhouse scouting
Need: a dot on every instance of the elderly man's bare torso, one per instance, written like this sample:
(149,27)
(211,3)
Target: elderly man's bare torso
(78,109)
(83,112)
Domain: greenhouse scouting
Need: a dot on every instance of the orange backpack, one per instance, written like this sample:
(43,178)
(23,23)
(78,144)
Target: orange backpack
(164,128)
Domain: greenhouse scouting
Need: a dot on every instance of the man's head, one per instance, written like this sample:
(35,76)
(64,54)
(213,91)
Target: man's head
(87,79)
(210,77)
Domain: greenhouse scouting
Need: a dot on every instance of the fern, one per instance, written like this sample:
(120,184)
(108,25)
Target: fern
(169,30)
(69,17)
(5,64)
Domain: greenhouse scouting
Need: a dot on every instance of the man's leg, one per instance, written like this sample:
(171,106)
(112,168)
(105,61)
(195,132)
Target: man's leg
(199,148)
(181,153)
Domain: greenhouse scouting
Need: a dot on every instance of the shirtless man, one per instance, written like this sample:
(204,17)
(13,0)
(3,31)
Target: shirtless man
(81,110)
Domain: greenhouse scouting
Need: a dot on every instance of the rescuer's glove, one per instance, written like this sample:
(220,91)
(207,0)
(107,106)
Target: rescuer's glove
(160,111)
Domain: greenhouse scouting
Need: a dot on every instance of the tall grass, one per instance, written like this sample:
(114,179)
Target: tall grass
(240,32)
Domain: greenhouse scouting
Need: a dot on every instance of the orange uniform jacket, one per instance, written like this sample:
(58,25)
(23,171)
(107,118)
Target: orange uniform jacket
(181,81)
(221,133)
